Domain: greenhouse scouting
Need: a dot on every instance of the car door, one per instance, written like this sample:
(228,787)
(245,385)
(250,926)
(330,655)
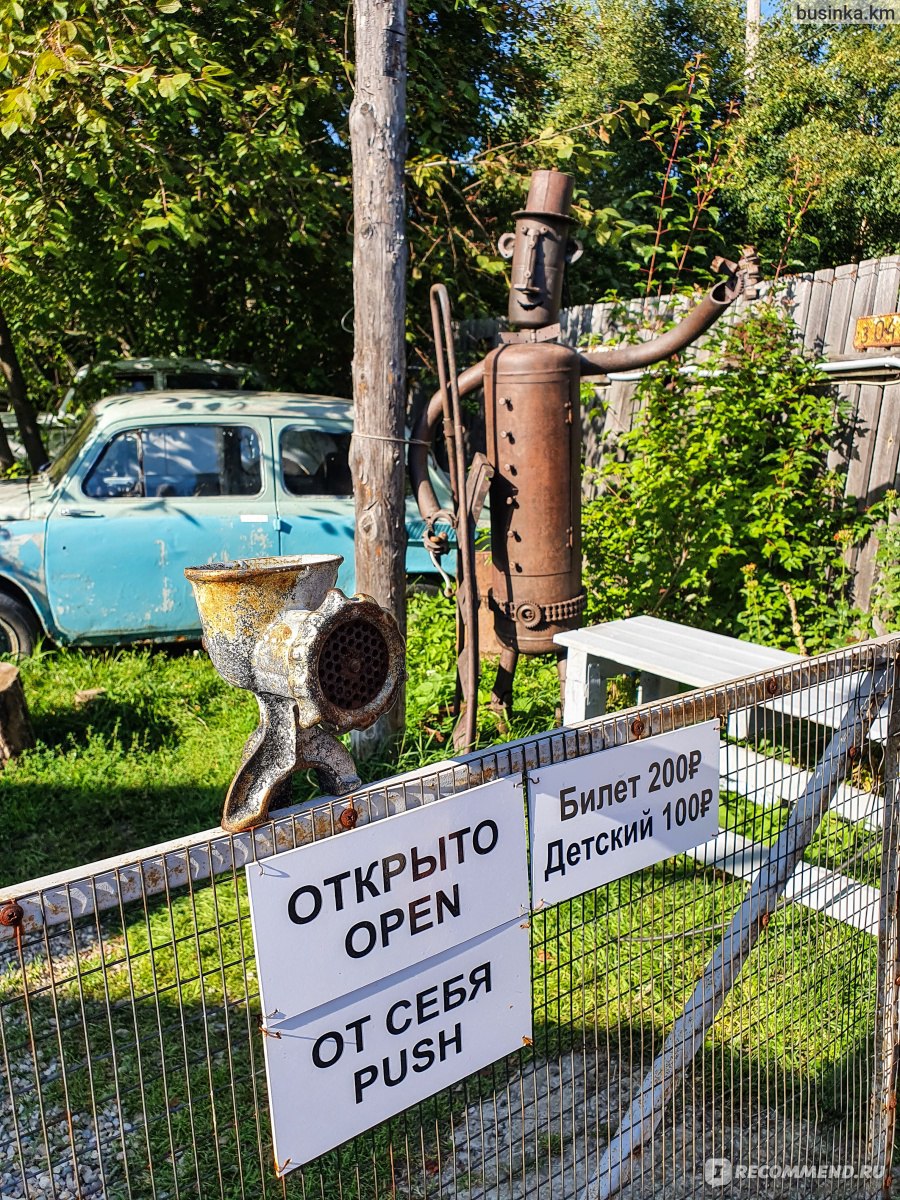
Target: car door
(142,505)
(314,491)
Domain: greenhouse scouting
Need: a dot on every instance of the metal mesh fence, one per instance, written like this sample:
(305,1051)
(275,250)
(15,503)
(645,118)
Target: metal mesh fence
(131,1058)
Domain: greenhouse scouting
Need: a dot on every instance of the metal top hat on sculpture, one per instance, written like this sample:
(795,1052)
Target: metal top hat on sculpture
(532,469)
(319,663)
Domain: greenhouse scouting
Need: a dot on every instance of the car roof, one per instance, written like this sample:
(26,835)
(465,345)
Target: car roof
(123,365)
(175,404)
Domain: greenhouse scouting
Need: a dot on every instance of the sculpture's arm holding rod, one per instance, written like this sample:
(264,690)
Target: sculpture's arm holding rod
(742,277)
(421,442)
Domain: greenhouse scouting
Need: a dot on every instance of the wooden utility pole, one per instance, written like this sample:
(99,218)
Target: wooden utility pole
(377,460)
(752,36)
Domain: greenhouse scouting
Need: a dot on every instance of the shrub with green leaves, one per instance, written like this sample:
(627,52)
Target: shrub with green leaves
(719,509)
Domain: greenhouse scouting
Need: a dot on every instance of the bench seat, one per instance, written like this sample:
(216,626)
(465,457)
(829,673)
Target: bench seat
(670,657)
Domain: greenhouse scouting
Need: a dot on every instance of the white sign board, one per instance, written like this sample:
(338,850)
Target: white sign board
(602,816)
(335,916)
(343,1068)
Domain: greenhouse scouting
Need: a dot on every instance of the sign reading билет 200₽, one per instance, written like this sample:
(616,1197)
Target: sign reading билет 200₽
(600,817)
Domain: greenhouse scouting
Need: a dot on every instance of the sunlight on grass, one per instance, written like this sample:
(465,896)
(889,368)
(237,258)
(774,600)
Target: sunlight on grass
(153,1016)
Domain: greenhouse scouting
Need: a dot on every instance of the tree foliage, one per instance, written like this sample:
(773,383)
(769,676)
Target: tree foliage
(817,162)
(803,152)
(722,512)
(175,179)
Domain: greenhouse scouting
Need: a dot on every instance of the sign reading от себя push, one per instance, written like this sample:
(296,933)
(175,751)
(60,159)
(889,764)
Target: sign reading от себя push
(395,959)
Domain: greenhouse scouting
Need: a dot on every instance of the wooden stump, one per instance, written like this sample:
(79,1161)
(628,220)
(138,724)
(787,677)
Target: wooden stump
(16,733)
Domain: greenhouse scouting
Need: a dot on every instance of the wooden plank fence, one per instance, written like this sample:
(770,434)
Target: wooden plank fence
(825,306)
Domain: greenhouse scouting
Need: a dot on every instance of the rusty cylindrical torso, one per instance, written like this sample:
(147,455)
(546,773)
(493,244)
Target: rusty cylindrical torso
(532,407)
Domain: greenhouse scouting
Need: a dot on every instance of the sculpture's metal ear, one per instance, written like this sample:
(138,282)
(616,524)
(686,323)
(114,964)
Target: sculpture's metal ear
(507,245)
(574,250)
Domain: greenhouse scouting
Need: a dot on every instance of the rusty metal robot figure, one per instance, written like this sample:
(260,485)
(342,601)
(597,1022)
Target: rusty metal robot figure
(532,470)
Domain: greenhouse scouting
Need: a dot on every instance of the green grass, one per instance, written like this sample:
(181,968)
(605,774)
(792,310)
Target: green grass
(151,758)
(158,1019)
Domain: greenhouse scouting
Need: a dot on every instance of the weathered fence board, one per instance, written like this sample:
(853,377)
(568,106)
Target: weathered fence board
(860,302)
(841,297)
(821,289)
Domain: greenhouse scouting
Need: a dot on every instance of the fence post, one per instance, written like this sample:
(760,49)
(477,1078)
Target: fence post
(887,1010)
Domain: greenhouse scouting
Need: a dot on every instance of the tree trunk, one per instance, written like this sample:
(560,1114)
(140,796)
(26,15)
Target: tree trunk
(378,461)
(7,458)
(15,727)
(18,395)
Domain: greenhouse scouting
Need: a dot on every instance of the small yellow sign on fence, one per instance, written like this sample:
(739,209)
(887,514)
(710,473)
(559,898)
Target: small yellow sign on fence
(872,332)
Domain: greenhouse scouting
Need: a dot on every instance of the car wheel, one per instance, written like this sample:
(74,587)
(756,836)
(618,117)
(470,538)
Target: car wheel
(19,628)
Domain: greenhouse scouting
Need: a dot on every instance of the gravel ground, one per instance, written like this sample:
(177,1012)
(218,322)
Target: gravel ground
(544,1135)
(540,1136)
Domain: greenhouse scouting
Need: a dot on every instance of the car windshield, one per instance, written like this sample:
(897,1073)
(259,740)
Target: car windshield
(60,465)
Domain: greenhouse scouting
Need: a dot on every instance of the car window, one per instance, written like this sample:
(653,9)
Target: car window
(135,381)
(178,460)
(315,462)
(207,381)
(60,465)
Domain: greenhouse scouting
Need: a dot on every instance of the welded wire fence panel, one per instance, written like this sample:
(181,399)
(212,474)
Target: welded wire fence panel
(132,1063)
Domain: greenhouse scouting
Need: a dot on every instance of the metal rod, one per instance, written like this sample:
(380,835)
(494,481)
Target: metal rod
(466,595)
(690,1030)
(887,1012)
(440,353)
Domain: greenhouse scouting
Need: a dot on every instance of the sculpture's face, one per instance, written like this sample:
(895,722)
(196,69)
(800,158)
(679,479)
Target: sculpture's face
(539,250)
(541,243)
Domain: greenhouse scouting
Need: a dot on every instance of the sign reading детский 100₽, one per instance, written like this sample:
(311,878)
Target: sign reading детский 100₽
(393,960)
(600,817)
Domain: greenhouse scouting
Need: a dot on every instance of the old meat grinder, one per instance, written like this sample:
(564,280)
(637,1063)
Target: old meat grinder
(319,663)
(532,470)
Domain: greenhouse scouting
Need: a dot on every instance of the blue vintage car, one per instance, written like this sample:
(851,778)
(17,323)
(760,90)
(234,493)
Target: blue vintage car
(94,550)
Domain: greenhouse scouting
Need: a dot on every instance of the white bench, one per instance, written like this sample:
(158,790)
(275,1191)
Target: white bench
(667,655)
(670,657)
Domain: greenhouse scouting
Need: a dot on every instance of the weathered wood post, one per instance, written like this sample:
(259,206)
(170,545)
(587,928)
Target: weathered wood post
(377,460)
(16,733)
